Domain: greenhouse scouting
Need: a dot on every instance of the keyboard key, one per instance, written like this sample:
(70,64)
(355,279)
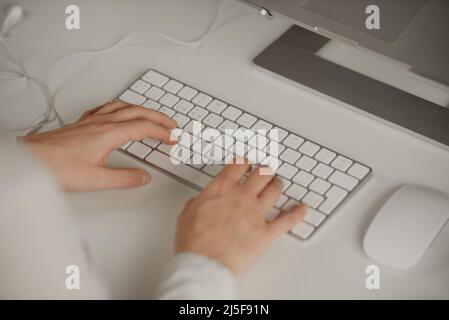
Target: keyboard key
(281,201)
(186,140)
(256,156)
(139,150)
(153,143)
(272,214)
(320,186)
(261,124)
(290,156)
(358,171)
(140,86)
(198,113)
(150,104)
(258,141)
(314,217)
(202,100)
(213,170)
(306,163)
(303,230)
(155,78)
(187,93)
(325,156)
(290,205)
(132,97)
(246,120)
(231,113)
(213,120)
(296,192)
(169,100)
(286,183)
(341,163)
(303,178)
(309,148)
(323,171)
(169,112)
(287,171)
(180,154)
(154,93)
(281,134)
(293,141)
(166,148)
(183,171)
(173,86)
(181,119)
(312,199)
(216,106)
(228,125)
(194,128)
(343,180)
(183,106)
(335,196)
(126,145)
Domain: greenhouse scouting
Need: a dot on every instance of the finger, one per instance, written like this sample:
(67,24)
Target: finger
(136,130)
(138,112)
(109,178)
(257,181)
(286,221)
(234,172)
(271,193)
(111,107)
(89,112)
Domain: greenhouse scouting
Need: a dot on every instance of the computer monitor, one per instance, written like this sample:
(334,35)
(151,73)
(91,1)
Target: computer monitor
(415,33)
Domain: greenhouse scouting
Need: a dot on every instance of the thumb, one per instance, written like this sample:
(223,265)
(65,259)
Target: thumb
(286,221)
(112,178)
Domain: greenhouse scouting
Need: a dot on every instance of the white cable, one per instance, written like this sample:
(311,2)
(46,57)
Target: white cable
(51,113)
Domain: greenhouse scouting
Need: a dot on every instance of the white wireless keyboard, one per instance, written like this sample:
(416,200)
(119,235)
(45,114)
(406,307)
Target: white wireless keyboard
(312,174)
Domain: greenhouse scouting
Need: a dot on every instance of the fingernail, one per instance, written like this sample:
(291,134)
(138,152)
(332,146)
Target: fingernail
(145,178)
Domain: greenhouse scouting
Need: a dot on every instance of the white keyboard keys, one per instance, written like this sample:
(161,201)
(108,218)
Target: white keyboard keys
(181,119)
(155,78)
(343,180)
(150,104)
(281,201)
(309,148)
(231,113)
(173,86)
(325,156)
(216,106)
(290,156)
(261,124)
(314,217)
(213,120)
(334,197)
(140,86)
(169,100)
(287,171)
(169,112)
(293,141)
(303,178)
(296,192)
(323,171)
(312,199)
(183,171)
(213,170)
(132,97)
(126,145)
(198,113)
(306,163)
(303,230)
(341,163)
(228,125)
(202,100)
(153,143)
(187,93)
(183,106)
(246,120)
(320,186)
(358,171)
(139,150)
(154,93)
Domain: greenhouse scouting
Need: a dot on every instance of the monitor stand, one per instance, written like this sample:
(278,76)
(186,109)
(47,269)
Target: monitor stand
(293,57)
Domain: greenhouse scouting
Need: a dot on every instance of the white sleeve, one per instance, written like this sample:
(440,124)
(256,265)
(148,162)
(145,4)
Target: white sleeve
(194,277)
(38,237)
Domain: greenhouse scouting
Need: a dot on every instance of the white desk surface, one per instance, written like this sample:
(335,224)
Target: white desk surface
(131,231)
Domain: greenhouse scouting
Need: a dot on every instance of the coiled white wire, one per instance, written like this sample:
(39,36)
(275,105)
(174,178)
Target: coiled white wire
(51,113)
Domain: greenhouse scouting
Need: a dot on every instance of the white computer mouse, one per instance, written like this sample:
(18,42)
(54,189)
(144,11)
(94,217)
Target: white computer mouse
(406,226)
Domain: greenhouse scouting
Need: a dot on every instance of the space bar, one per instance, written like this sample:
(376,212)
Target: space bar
(181,170)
